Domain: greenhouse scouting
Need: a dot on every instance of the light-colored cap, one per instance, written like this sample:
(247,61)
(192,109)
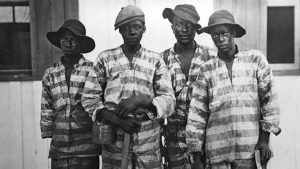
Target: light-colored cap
(128,14)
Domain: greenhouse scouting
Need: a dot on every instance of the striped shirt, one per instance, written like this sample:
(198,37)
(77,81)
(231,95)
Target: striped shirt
(231,112)
(62,116)
(179,157)
(114,78)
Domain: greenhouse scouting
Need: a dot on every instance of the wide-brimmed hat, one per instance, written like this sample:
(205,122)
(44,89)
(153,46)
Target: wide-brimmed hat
(128,14)
(87,44)
(185,11)
(223,17)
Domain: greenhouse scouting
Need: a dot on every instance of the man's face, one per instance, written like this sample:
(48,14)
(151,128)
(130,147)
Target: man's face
(223,38)
(184,31)
(132,32)
(69,43)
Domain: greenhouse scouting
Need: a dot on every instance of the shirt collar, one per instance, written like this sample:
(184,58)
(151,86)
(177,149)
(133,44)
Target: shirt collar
(135,54)
(172,50)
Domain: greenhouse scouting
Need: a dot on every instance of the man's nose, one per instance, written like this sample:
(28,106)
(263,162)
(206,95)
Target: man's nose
(221,37)
(131,31)
(184,28)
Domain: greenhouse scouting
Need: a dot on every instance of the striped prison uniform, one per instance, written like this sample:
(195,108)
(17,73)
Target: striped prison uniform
(114,78)
(76,163)
(229,113)
(177,154)
(62,116)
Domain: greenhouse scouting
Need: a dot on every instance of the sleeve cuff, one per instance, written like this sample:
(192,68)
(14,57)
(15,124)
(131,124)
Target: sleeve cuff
(47,134)
(270,127)
(193,147)
(160,112)
(95,113)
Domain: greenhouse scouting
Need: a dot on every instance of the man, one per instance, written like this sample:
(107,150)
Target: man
(62,117)
(183,61)
(130,89)
(233,102)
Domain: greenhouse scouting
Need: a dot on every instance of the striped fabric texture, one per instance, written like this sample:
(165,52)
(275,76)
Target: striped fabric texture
(62,116)
(114,78)
(177,151)
(76,163)
(230,113)
(236,164)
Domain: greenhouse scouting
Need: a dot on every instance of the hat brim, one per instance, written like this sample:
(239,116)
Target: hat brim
(240,31)
(87,44)
(128,20)
(169,14)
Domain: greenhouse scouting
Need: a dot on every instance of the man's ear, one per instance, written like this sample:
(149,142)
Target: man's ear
(173,28)
(233,32)
(144,29)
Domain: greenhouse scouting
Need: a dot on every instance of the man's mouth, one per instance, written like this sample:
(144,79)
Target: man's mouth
(185,37)
(223,46)
(132,39)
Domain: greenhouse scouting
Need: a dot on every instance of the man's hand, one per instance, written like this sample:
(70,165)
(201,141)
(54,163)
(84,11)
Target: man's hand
(130,105)
(127,106)
(265,152)
(263,147)
(129,125)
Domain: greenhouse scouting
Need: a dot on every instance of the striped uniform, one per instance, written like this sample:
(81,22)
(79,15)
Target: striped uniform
(178,156)
(232,112)
(62,116)
(76,163)
(114,78)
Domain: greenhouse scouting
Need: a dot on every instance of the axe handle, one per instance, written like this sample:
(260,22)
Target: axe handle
(125,152)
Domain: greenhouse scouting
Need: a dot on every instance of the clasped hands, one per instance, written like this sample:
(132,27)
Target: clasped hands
(120,117)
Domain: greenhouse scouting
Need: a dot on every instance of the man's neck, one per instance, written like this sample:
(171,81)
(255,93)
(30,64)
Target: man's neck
(72,59)
(185,48)
(228,56)
(129,51)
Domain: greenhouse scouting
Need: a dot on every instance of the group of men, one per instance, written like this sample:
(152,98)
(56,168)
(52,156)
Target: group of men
(218,106)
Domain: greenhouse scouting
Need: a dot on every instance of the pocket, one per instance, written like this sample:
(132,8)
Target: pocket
(96,134)
(102,133)
(149,133)
(113,86)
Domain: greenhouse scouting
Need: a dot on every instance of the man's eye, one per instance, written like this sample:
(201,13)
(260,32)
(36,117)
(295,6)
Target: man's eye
(226,33)
(189,25)
(137,27)
(181,24)
(214,35)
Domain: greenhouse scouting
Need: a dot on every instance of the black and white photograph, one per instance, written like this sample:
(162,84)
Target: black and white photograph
(149,84)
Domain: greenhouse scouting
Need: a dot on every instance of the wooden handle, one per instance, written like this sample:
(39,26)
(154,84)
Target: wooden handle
(125,152)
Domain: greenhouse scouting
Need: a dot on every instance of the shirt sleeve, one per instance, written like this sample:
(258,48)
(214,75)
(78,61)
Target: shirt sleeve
(93,92)
(47,115)
(164,99)
(198,115)
(268,97)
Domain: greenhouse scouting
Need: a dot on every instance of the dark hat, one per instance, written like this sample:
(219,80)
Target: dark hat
(128,14)
(223,17)
(77,28)
(185,11)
